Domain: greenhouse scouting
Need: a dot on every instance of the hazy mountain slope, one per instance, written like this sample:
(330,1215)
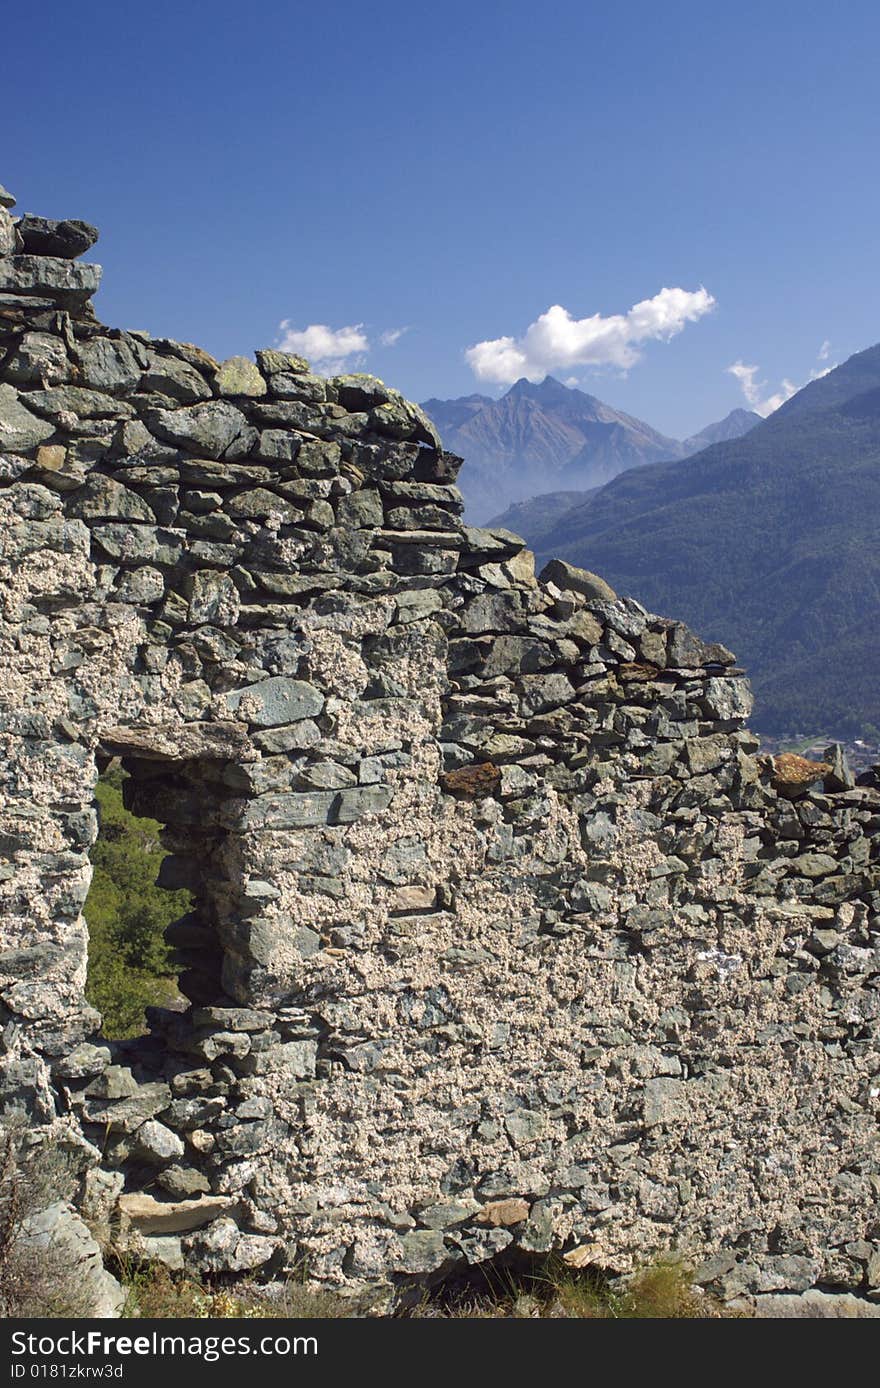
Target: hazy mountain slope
(449,415)
(536,517)
(546,438)
(538,438)
(768,543)
(732,426)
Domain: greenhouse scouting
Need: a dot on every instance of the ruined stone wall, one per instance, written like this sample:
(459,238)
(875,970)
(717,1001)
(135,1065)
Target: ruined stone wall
(504,936)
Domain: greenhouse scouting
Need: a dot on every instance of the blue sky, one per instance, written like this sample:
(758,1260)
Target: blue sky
(457,170)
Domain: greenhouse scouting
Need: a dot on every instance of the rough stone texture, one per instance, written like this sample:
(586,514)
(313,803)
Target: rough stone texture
(59,1232)
(793,774)
(504,937)
(812,1305)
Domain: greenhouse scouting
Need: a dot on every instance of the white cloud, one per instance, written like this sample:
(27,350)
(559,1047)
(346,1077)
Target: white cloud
(558,342)
(754,389)
(329,349)
(392,336)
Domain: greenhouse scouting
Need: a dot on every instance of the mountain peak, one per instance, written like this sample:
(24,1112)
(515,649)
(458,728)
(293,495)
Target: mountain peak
(548,389)
(732,426)
(541,435)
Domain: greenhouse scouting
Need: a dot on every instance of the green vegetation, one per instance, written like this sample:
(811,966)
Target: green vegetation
(662,1290)
(766,543)
(130,965)
(550,1288)
(157,1294)
(538,516)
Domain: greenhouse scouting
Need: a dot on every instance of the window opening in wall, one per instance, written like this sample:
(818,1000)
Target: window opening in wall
(131,966)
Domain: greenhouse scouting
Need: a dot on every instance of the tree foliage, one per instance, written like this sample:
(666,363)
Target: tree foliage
(130,965)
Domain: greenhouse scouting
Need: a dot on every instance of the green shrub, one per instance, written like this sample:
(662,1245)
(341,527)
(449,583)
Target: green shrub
(130,965)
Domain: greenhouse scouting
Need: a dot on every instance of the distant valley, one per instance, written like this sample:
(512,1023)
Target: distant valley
(766,541)
(551,438)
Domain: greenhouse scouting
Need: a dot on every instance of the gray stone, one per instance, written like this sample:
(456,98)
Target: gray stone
(83,1061)
(295,811)
(233,1018)
(67,239)
(728,699)
(222,1247)
(165,1249)
(272,362)
(100,498)
(259,503)
(494,612)
(684,649)
(8,239)
(811,1305)
(665,1102)
(156,1143)
(326,775)
(277,446)
(113,1082)
(447,1213)
(524,1125)
(417,605)
(212,429)
(213,598)
(840,776)
(362,509)
(58,402)
(568,578)
(541,692)
(141,586)
(478,1246)
(787,1272)
(70,285)
(274,701)
(294,1058)
(20,429)
(816,864)
(424,1250)
(292,737)
(286,386)
(38,359)
(12,467)
(126,1114)
(59,1233)
(183,1181)
(108,365)
(132,544)
(239,376)
(169,376)
(354,803)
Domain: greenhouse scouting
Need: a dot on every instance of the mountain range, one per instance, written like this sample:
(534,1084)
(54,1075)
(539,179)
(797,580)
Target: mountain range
(548,436)
(766,542)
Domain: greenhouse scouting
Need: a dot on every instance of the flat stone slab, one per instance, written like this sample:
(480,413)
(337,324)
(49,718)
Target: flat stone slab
(67,282)
(149,1216)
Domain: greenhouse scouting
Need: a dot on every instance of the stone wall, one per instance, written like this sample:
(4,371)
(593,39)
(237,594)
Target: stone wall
(504,935)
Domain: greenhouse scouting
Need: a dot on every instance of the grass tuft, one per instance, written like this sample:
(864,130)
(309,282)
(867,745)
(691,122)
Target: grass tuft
(154,1292)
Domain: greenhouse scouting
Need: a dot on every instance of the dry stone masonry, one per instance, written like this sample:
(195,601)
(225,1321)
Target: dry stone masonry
(504,935)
